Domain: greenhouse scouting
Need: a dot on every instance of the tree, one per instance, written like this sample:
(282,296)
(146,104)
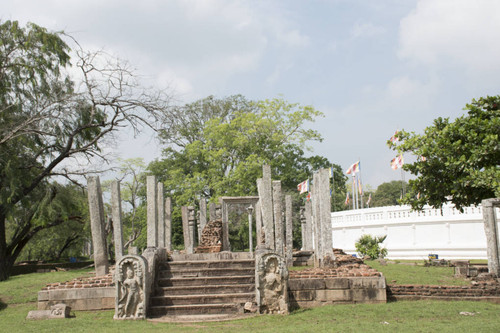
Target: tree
(50,123)
(224,154)
(387,194)
(457,161)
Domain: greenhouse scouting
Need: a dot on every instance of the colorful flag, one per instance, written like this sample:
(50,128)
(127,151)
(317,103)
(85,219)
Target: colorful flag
(347,199)
(308,197)
(353,168)
(397,162)
(369,199)
(303,187)
(331,172)
(394,138)
(423,159)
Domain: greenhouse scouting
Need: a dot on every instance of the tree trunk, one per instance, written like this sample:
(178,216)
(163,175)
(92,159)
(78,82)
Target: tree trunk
(6,264)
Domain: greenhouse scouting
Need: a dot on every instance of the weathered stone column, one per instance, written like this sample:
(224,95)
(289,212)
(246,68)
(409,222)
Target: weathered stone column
(264,187)
(309,228)
(491,231)
(326,216)
(289,231)
(279,240)
(203,214)
(250,234)
(315,220)
(191,227)
(161,215)
(152,212)
(258,226)
(168,224)
(96,210)
(198,224)
(225,226)
(116,213)
(303,227)
(211,212)
(185,226)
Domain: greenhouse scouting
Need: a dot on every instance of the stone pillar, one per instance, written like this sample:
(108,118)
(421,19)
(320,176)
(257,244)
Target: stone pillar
(191,228)
(161,215)
(152,212)
(289,231)
(264,187)
(203,214)
(309,228)
(198,224)
(303,227)
(96,210)
(168,224)
(325,216)
(279,240)
(315,220)
(491,231)
(116,213)
(211,212)
(258,226)
(250,233)
(185,226)
(225,227)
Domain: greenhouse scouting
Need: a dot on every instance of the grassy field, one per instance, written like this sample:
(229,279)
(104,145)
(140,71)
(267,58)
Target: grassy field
(414,272)
(19,293)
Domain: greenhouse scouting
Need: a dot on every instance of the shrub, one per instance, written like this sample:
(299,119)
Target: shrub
(368,245)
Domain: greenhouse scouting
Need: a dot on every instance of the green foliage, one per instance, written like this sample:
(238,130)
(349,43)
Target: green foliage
(388,194)
(223,143)
(461,158)
(368,245)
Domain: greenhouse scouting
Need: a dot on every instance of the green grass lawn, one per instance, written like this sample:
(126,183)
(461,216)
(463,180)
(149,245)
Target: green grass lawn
(414,272)
(19,293)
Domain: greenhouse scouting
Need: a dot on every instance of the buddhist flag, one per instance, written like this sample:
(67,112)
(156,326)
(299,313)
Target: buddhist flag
(308,197)
(353,168)
(303,187)
(395,138)
(360,186)
(331,172)
(397,162)
(369,199)
(346,199)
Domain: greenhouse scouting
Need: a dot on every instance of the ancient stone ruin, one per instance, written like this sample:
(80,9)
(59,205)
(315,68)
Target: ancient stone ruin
(131,288)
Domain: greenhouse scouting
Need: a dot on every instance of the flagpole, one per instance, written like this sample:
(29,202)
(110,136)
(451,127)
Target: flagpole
(353,201)
(360,183)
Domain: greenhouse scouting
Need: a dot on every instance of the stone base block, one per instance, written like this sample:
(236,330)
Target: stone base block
(78,298)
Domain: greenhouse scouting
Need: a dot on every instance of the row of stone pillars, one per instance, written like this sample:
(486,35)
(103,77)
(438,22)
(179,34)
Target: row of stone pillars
(159,222)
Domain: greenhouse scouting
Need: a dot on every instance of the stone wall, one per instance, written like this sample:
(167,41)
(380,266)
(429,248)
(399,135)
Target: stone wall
(312,292)
(86,293)
(480,291)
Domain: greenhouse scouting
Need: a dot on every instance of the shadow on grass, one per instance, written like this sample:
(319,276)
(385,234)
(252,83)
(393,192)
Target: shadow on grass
(2,305)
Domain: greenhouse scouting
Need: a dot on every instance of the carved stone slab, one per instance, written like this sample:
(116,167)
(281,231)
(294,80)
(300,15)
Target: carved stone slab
(59,310)
(131,291)
(271,279)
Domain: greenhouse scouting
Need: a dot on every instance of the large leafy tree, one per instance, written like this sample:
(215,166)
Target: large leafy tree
(223,154)
(457,161)
(54,125)
(388,194)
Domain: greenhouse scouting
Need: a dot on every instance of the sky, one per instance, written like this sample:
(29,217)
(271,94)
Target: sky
(371,67)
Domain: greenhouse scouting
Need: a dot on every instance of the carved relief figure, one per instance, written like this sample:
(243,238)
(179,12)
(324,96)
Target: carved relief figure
(272,284)
(130,284)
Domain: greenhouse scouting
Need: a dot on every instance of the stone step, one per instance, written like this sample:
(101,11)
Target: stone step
(198,264)
(206,272)
(225,255)
(205,289)
(237,298)
(197,309)
(206,280)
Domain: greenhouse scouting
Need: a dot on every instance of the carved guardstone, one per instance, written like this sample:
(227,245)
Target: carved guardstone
(131,291)
(271,279)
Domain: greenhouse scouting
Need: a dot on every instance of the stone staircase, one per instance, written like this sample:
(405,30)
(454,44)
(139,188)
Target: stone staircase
(203,284)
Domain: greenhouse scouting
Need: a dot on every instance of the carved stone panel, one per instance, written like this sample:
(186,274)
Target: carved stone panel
(131,290)
(271,283)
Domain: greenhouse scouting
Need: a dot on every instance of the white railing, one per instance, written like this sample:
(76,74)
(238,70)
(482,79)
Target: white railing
(415,234)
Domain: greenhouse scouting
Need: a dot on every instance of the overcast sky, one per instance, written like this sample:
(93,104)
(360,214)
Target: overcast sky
(371,66)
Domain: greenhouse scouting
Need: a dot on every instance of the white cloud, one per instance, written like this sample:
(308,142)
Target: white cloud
(460,33)
(367,29)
